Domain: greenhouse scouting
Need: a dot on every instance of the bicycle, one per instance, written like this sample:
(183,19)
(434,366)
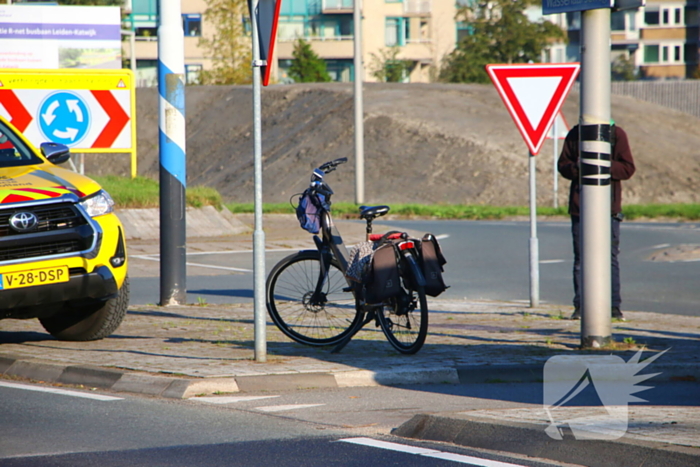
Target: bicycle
(312,301)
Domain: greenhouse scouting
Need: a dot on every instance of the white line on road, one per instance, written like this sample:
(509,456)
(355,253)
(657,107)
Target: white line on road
(428,452)
(442,237)
(282,408)
(62,392)
(551,261)
(229,400)
(148,258)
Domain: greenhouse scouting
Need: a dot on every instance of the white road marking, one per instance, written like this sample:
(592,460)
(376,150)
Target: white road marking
(282,408)
(229,399)
(442,237)
(62,392)
(551,261)
(663,245)
(148,258)
(428,452)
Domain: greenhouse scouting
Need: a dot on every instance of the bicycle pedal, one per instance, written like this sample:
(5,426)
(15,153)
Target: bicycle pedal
(347,289)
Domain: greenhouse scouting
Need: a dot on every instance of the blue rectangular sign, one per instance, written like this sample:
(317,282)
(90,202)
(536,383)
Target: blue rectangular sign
(550,7)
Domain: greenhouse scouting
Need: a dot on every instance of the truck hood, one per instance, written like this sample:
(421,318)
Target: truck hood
(36,182)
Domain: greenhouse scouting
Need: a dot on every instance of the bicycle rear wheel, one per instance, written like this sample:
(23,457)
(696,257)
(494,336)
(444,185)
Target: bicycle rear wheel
(290,286)
(404,320)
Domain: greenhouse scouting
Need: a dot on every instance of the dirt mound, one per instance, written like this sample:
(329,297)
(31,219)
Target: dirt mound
(430,143)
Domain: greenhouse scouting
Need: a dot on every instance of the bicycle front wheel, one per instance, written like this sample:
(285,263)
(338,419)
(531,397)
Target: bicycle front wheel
(290,288)
(404,320)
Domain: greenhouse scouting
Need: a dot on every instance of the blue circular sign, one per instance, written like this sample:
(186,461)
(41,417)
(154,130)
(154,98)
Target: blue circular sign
(64,118)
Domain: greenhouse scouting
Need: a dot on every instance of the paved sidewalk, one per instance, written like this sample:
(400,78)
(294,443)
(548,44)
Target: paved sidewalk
(184,351)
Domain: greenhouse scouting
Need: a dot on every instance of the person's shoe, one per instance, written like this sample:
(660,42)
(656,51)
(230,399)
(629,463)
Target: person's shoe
(577,313)
(617,314)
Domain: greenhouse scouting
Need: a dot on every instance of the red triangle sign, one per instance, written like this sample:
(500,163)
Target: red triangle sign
(533,94)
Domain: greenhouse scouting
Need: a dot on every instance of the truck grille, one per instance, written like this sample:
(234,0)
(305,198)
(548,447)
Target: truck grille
(51,217)
(41,249)
(62,229)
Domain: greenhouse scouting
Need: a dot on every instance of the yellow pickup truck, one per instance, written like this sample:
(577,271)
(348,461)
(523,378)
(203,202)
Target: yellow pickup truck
(62,248)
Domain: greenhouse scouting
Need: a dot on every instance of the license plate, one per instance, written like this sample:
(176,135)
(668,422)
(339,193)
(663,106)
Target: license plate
(16,280)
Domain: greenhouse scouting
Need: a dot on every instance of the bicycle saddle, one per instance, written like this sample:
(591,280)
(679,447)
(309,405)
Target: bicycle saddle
(372,212)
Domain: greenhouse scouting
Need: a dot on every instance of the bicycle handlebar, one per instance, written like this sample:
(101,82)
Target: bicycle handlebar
(330,166)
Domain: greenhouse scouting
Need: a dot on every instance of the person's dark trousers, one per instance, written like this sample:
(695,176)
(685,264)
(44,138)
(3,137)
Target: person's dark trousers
(614,263)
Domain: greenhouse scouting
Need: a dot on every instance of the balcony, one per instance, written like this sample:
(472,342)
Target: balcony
(337,6)
(417,7)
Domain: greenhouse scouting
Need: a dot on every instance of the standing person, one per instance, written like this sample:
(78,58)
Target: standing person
(622,168)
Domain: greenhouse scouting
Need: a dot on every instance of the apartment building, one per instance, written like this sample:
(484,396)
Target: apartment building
(424,31)
(661,39)
(141,17)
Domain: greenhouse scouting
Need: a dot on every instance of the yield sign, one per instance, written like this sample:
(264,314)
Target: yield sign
(533,94)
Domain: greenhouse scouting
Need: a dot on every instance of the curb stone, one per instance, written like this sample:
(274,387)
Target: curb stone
(531,440)
(182,388)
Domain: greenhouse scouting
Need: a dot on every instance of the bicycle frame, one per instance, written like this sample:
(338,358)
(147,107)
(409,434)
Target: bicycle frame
(331,245)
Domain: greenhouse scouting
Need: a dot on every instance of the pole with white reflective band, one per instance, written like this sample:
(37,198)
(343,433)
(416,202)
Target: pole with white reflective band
(171,89)
(594,173)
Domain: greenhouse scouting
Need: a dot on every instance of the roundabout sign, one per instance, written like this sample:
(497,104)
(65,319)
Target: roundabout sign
(64,118)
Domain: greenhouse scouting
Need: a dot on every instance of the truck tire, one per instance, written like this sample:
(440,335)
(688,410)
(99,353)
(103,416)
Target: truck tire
(92,322)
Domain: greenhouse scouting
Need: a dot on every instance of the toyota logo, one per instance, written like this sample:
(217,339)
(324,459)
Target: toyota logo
(23,221)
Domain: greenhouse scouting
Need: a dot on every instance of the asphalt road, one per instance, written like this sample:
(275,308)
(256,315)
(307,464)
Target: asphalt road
(489,260)
(311,428)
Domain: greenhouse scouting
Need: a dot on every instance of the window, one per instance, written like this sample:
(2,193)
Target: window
(617,21)
(396,31)
(665,16)
(691,53)
(192,73)
(391,34)
(651,54)
(192,24)
(651,18)
(665,53)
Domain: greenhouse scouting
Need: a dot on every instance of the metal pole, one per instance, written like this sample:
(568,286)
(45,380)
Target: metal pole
(173,180)
(258,234)
(594,163)
(534,244)
(555,141)
(359,112)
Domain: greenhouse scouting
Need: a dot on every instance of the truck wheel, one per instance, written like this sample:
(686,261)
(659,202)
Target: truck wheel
(92,322)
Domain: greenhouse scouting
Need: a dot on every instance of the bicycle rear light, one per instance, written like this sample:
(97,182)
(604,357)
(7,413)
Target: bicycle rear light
(406,245)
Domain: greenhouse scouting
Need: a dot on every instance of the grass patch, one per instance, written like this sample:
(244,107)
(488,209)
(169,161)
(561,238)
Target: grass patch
(689,212)
(143,192)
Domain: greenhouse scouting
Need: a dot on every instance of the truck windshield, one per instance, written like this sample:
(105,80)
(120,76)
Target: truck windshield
(13,151)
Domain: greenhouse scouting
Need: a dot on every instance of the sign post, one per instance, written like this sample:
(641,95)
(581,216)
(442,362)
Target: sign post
(263,16)
(533,94)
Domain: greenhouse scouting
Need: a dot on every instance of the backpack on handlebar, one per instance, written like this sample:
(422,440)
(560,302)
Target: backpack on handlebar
(309,209)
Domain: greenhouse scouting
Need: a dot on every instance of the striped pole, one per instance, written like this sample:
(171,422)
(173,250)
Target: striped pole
(594,170)
(171,88)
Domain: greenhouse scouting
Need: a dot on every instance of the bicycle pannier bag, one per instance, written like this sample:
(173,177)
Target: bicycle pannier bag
(433,260)
(308,212)
(385,274)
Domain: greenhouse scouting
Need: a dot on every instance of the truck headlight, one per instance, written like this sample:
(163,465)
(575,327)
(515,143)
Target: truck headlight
(98,204)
